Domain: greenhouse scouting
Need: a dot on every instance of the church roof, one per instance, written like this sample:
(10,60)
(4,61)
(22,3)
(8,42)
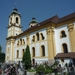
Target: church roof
(68,17)
(53,19)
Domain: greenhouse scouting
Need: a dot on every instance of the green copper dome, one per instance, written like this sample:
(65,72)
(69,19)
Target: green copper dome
(33,20)
(15,11)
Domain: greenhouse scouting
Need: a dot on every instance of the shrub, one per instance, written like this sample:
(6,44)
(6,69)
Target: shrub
(47,71)
(40,68)
(31,70)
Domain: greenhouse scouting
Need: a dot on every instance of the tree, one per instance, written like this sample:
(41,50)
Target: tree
(27,58)
(2,57)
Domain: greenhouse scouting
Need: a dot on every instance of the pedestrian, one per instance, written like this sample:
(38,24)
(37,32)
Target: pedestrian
(60,69)
(0,72)
(20,71)
(7,70)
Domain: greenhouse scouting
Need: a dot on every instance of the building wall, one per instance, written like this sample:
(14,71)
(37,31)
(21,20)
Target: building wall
(52,39)
(59,41)
(19,48)
(36,44)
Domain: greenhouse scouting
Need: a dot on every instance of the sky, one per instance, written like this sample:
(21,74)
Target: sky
(41,9)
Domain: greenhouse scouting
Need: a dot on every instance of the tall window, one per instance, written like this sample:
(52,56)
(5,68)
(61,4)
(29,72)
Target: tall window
(17,54)
(37,34)
(20,41)
(63,34)
(42,37)
(33,50)
(22,52)
(10,20)
(16,19)
(43,50)
(23,42)
(65,49)
(33,39)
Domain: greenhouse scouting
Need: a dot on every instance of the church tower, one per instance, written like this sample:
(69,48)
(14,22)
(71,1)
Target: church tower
(14,29)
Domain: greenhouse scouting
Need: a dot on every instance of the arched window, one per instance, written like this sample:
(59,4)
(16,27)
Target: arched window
(22,52)
(37,34)
(31,26)
(33,61)
(63,34)
(43,50)
(10,20)
(20,41)
(33,52)
(17,54)
(16,19)
(23,42)
(42,37)
(65,49)
(33,39)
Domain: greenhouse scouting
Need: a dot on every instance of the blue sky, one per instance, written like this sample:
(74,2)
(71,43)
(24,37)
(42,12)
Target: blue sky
(42,10)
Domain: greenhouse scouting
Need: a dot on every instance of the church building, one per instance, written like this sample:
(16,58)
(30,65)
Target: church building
(51,39)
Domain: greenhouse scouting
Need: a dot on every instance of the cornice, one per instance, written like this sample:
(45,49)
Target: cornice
(14,25)
(65,22)
(11,37)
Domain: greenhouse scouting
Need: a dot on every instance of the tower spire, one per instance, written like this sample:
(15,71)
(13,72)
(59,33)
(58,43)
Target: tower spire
(15,4)
(15,9)
(33,14)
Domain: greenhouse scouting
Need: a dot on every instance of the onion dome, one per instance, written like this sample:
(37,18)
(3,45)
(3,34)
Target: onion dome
(15,11)
(33,22)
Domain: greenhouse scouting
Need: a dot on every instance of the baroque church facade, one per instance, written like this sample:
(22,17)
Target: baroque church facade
(46,39)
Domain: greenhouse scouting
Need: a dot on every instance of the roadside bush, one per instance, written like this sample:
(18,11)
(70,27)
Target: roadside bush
(40,68)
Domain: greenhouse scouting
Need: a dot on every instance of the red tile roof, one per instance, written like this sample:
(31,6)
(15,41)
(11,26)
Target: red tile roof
(68,17)
(65,55)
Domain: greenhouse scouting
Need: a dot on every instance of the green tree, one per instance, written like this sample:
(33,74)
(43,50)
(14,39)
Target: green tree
(2,57)
(27,58)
